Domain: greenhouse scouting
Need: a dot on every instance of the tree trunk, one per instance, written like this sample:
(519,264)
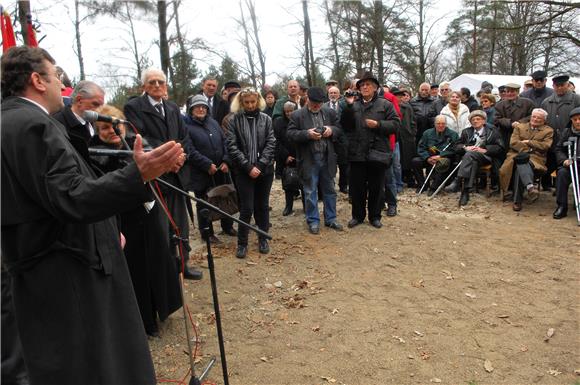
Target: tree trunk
(336,66)
(163,43)
(247,45)
(307,47)
(422,58)
(136,55)
(78,41)
(474,38)
(378,39)
(23,11)
(493,39)
(261,57)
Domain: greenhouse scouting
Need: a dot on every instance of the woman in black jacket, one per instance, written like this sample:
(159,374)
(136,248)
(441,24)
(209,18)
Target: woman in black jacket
(209,158)
(251,146)
(285,153)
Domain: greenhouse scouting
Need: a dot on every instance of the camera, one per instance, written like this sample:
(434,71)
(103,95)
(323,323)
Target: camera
(320,130)
(350,93)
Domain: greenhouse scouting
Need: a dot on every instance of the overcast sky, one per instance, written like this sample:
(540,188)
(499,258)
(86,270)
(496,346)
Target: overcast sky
(211,20)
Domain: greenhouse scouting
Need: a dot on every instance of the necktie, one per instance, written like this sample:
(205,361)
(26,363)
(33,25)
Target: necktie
(209,105)
(334,106)
(159,108)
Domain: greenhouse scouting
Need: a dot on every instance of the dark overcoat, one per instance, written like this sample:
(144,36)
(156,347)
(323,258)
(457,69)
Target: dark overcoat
(77,315)
(407,135)
(300,122)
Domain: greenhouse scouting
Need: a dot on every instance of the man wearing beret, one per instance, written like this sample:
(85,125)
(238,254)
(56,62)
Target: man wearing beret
(511,110)
(312,129)
(564,178)
(479,144)
(539,91)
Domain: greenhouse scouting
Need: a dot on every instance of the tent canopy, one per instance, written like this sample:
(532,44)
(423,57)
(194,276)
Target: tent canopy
(473,81)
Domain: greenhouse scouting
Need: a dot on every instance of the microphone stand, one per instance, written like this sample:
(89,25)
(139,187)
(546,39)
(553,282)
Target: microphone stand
(194,380)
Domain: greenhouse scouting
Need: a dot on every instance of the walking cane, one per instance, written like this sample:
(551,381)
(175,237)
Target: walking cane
(431,172)
(572,156)
(446,179)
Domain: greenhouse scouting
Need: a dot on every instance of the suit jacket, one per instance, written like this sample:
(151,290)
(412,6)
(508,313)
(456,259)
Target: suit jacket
(79,135)
(339,106)
(159,129)
(73,298)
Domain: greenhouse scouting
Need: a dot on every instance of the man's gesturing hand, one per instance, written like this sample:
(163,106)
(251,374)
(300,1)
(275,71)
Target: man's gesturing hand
(167,157)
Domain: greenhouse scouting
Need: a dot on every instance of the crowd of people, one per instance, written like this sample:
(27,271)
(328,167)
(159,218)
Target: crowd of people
(95,209)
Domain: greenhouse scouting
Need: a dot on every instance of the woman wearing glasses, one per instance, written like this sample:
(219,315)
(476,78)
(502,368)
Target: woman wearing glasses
(251,146)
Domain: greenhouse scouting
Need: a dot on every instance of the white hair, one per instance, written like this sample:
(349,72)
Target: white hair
(150,71)
(541,111)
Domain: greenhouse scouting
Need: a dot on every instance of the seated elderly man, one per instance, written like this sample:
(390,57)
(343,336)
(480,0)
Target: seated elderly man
(480,144)
(529,145)
(435,151)
(564,176)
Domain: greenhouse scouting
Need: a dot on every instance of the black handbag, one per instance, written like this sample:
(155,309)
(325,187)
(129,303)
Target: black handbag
(290,178)
(225,197)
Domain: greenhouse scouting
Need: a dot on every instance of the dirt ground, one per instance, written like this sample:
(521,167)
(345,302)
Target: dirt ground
(478,295)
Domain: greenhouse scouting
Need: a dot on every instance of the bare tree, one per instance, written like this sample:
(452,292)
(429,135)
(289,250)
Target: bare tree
(246,42)
(256,40)
(163,42)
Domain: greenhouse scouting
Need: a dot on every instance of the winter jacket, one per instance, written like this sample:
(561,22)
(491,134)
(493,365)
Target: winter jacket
(422,109)
(537,96)
(458,123)
(361,138)
(558,108)
(431,140)
(247,132)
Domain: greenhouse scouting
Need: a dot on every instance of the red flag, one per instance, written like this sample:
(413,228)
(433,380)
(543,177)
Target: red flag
(31,32)
(8,39)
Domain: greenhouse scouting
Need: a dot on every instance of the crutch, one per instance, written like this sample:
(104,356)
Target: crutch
(572,156)
(446,179)
(431,172)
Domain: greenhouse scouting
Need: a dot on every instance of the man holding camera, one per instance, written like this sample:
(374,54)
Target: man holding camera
(312,129)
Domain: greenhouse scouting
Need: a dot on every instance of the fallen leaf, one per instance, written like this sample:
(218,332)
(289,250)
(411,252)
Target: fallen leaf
(524,348)
(315,328)
(472,296)
(265,359)
(278,284)
(549,334)
(334,311)
(418,333)
(418,283)
(503,316)
(401,340)
(554,372)
(328,379)
(251,263)
(488,366)
(436,380)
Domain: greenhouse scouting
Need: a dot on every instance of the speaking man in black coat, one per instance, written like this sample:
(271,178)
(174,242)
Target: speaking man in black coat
(159,120)
(74,303)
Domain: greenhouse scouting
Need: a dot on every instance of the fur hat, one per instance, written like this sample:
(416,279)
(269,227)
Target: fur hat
(479,113)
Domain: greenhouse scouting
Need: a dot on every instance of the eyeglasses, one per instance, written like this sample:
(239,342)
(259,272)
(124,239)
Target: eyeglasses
(538,80)
(443,89)
(156,82)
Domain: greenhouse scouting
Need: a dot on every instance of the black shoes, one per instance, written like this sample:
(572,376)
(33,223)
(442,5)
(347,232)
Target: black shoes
(517,206)
(334,225)
(560,212)
(376,223)
(353,222)
(287,211)
(453,187)
(231,232)
(263,246)
(192,274)
(242,251)
(464,198)
(213,240)
(391,211)
(314,228)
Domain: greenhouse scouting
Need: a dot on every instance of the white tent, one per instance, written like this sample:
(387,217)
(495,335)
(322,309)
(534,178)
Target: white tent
(473,81)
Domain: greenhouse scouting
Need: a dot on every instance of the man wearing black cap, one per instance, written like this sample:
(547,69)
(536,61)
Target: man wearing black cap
(539,91)
(312,129)
(564,178)
(434,90)
(560,103)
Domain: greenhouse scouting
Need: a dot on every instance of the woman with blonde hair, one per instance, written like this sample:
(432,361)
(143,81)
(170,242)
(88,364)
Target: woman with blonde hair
(456,113)
(251,147)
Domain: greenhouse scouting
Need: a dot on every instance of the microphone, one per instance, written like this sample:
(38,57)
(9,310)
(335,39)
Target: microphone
(92,116)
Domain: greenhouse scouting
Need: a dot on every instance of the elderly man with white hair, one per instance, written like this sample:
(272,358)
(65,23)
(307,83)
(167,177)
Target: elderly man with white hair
(528,149)
(159,120)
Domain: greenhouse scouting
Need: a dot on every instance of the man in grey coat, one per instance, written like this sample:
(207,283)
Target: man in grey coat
(313,129)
